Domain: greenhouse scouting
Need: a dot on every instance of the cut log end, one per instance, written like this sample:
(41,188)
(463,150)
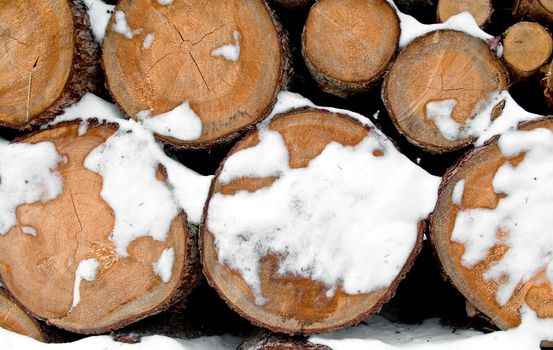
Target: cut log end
(359,51)
(481,10)
(226,60)
(478,170)
(44,252)
(527,47)
(42,74)
(263,340)
(14,319)
(449,74)
(293,304)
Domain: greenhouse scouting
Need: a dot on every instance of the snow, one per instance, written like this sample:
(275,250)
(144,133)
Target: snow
(164,266)
(301,216)
(181,123)
(28,230)
(457,195)
(528,191)
(13,341)
(85,271)
(230,52)
(165,2)
(120,26)
(379,334)
(412,29)
(99,14)
(189,188)
(148,40)
(440,113)
(28,174)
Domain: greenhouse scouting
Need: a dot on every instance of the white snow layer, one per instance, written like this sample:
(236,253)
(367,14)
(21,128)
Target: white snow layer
(164,266)
(28,230)
(523,215)
(148,40)
(337,221)
(457,195)
(121,26)
(165,2)
(99,14)
(412,29)
(181,123)
(480,125)
(85,271)
(28,174)
(230,52)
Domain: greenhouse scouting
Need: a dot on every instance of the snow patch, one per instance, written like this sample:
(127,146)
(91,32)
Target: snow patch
(301,216)
(440,113)
(528,190)
(28,174)
(181,123)
(165,2)
(164,266)
(230,52)
(29,230)
(99,14)
(458,190)
(148,40)
(121,26)
(85,271)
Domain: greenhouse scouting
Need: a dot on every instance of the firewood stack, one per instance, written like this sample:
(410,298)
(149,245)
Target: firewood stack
(310,163)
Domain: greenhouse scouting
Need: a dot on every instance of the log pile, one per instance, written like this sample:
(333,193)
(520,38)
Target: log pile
(433,161)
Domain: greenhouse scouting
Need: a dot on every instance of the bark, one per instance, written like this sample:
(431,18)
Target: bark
(546,82)
(353,61)
(478,168)
(527,46)
(229,95)
(264,340)
(77,225)
(536,10)
(297,305)
(439,66)
(43,74)
(481,10)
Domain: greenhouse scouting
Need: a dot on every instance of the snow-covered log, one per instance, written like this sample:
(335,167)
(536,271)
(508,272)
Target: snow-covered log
(356,56)
(199,73)
(312,222)
(48,59)
(90,234)
(438,85)
(492,225)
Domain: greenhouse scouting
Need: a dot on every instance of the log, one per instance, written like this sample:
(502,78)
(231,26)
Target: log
(473,254)
(481,10)
(42,74)
(527,46)
(225,60)
(546,82)
(536,10)
(263,340)
(358,53)
(441,67)
(14,319)
(62,260)
(273,270)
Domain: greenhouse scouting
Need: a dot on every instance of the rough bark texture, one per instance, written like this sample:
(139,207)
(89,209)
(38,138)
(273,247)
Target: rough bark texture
(478,168)
(546,82)
(537,10)
(439,66)
(80,65)
(228,96)
(263,340)
(295,305)
(77,225)
(357,56)
(14,319)
(481,10)
(527,46)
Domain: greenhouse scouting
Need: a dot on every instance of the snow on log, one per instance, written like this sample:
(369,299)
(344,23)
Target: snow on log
(200,73)
(276,240)
(492,234)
